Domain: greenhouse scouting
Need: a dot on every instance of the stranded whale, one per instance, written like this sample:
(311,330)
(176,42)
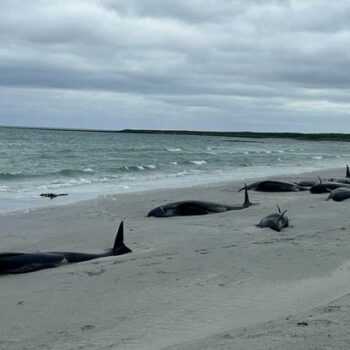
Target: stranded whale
(275,221)
(324,187)
(187,208)
(306,183)
(345,180)
(274,186)
(27,262)
(339,194)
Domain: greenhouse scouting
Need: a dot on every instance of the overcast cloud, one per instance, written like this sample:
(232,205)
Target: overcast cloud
(185,64)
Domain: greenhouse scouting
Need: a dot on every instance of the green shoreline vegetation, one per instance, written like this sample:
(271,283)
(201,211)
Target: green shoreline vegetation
(244,134)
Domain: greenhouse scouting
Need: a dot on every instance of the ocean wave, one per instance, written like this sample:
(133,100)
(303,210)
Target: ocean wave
(246,164)
(198,162)
(11,176)
(56,184)
(80,181)
(131,168)
(317,157)
(174,149)
(73,172)
(182,173)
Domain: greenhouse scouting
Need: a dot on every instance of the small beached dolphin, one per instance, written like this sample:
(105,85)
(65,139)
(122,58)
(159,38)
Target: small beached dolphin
(275,221)
(274,186)
(339,194)
(28,262)
(187,208)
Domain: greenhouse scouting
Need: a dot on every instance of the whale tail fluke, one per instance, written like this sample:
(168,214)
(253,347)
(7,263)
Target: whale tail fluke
(347,171)
(119,247)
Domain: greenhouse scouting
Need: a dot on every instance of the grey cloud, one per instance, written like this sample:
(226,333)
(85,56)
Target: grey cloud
(199,62)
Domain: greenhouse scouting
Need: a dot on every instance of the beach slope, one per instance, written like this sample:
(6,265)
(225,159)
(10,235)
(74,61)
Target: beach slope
(202,282)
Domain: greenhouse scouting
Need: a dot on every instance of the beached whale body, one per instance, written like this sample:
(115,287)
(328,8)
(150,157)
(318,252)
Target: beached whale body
(327,186)
(27,262)
(345,180)
(274,186)
(187,208)
(339,194)
(275,221)
(306,183)
(340,180)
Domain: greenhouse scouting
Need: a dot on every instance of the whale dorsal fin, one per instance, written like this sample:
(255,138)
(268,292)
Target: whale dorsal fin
(347,171)
(319,179)
(119,238)
(247,202)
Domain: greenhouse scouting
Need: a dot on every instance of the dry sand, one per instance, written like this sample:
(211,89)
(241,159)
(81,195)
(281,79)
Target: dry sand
(203,282)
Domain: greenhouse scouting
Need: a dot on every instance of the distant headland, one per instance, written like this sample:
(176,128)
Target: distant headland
(245,134)
(248,134)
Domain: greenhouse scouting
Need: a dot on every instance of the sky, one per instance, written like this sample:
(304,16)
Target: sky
(224,65)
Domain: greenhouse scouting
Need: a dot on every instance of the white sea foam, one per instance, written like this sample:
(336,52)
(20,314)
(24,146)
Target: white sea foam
(182,173)
(80,181)
(198,162)
(174,149)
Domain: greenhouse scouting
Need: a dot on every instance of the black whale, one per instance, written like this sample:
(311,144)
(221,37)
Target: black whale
(274,186)
(28,262)
(187,208)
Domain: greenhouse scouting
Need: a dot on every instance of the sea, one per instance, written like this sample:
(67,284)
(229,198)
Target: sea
(90,164)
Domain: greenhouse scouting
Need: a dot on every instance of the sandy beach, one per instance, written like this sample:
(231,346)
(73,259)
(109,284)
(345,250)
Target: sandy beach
(201,282)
